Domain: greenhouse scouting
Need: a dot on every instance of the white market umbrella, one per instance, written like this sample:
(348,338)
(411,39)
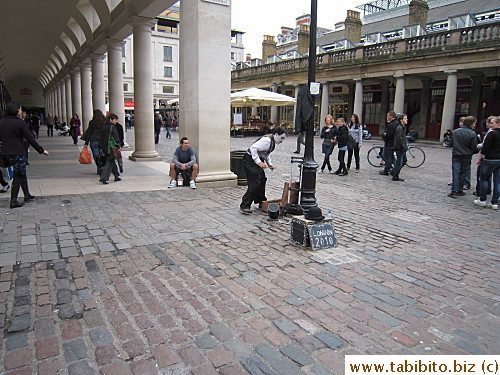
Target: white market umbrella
(172,101)
(255,97)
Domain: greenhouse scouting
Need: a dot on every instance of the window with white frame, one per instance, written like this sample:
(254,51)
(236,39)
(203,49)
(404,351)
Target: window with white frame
(167,53)
(123,68)
(167,71)
(168,89)
(125,87)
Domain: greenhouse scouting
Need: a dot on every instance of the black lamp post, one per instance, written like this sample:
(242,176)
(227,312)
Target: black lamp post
(308,183)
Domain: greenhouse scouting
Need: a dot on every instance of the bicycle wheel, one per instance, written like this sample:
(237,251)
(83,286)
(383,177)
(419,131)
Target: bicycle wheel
(374,157)
(415,157)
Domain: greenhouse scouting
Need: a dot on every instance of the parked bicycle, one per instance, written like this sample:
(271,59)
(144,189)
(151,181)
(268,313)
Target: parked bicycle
(415,156)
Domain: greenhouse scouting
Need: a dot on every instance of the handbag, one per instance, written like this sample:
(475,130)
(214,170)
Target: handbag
(352,143)
(85,157)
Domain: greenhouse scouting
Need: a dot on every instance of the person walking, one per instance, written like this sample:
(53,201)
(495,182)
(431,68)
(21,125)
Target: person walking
(92,136)
(388,137)
(256,159)
(490,165)
(356,132)
(464,146)
(157,124)
(400,146)
(329,135)
(16,139)
(168,125)
(342,142)
(74,128)
(50,125)
(109,134)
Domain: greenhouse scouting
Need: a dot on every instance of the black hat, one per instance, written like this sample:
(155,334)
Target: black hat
(314,213)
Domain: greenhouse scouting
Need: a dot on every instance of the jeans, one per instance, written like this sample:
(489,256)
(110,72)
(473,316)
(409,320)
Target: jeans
(354,150)
(398,164)
(327,150)
(169,135)
(460,168)
(95,147)
(388,158)
(488,168)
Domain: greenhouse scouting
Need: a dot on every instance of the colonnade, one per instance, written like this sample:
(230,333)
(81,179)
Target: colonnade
(82,89)
(355,95)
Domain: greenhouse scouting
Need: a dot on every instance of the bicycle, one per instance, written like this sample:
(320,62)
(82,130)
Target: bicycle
(415,156)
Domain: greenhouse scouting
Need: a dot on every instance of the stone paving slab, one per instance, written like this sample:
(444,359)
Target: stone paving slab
(179,282)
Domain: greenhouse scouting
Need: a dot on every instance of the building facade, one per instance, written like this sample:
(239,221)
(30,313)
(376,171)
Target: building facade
(441,66)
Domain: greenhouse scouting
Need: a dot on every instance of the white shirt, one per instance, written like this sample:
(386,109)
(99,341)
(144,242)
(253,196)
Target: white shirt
(260,148)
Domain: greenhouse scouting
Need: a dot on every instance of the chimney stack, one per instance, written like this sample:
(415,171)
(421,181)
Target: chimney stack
(268,47)
(353,26)
(248,58)
(303,39)
(418,12)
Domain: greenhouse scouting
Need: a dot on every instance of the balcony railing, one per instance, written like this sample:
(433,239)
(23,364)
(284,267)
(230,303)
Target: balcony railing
(438,41)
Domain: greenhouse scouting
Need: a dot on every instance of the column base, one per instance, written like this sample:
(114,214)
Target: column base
(223,179)
(145,158)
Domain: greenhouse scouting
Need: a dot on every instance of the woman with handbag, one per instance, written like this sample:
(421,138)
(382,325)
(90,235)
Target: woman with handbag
(74,126)
(92,136)
(109,142)
(356,133)
(16,138)
(342,142)
(328,134)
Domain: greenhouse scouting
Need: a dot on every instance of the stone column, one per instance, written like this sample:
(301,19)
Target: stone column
(205,86)
(450,101)
(86,94)
(69,107)
(76,94)
(384,106)
(358,99)
(325,103)
(98,89)
(143,91)
(275,115)
(58,92)
(115,81)
(425,99)
(296,94)
(350,97)
(64,107)
(476,108)
(399,96)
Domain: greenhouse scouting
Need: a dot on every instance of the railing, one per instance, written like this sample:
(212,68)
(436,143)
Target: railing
(480,33)
(488,32)
(380,49)
(425,42)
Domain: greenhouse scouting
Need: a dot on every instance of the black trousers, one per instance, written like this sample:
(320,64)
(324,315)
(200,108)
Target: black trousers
(354,151)
(109,167)
(50,130)
(256,178)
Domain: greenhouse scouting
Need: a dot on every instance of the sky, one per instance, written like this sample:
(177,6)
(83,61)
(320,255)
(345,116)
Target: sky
(265,17)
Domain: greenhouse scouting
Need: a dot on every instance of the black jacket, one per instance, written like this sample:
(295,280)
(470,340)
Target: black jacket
(108,129)
(400,139)
(16,137)
(464,142)
(305,106)
(328,136)
(343,136)
(491,145)
(390,131)
(93,133)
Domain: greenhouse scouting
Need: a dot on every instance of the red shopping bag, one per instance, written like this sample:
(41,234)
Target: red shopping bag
(85,157)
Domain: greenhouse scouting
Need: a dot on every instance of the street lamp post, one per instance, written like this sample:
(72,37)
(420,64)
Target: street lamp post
(308,183)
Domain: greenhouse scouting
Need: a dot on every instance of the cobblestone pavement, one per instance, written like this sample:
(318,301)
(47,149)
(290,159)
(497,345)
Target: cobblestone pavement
(179,282)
